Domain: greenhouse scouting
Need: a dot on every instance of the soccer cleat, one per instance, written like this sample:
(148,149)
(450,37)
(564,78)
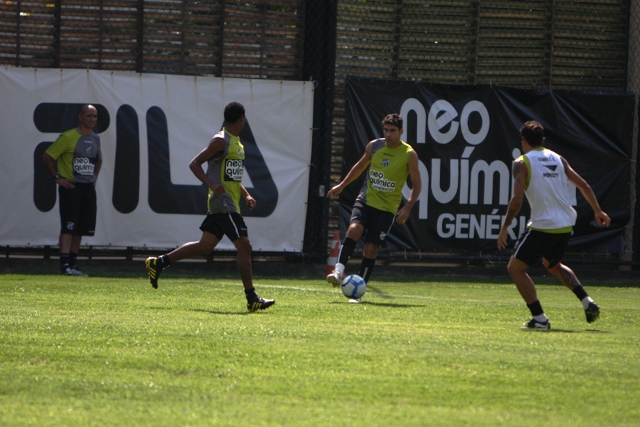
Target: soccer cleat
(355,300)
(73,272)
(335,278)
(259,304)
(76,272)
(534,324)
(154,270)
(592,312)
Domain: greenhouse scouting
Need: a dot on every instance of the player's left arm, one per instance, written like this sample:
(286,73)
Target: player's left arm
(96,169)
(251,202)
(601,217)
(519,172)
(416,182)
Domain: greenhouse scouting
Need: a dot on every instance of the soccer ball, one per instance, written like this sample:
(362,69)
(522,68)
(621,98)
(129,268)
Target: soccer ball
(353,286)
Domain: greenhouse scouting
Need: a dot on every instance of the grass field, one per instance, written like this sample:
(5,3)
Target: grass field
(112,351)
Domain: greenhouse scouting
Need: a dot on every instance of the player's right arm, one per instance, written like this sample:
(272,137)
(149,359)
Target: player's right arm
(214,149)
(55,150)
(50,164)
(354,173)
(519,172)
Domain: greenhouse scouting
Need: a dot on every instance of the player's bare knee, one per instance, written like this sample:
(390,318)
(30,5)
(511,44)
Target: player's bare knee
(514,269)
(244,248)
(553,269)
(206,247)
(370,251)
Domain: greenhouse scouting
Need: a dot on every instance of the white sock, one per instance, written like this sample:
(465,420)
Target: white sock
(542,318)
(586,301)
(339,268)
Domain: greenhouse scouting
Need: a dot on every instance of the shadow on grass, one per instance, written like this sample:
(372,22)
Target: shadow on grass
(378,291)
(381,304)
(200,310)
(388,304)
(565,331)
(226,313)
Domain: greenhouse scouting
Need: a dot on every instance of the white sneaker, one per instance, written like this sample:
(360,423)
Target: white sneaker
(78,272)
(335,278)
(74,272)
(355,300)
(534,324)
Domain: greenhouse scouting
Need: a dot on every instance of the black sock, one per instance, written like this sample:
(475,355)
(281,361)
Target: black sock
(164,261)
(580,292)
(64,262)
(346,250)
(535,308)
(251,294)
(72,259)
(366,268)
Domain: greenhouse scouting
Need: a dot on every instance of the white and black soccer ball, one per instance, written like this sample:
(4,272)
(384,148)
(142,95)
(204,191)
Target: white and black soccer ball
(353,286)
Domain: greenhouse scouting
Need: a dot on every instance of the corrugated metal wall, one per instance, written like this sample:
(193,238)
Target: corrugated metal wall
(222,38)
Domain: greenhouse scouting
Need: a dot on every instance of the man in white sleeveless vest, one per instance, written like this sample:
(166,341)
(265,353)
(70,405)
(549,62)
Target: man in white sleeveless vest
(225,157)
(545,177)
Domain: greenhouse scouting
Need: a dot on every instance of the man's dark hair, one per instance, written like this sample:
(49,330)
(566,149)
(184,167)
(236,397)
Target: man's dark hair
(533,133)
(233,112)
(393,119)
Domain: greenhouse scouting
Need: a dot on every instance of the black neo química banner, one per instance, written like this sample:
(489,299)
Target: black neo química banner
(467,138)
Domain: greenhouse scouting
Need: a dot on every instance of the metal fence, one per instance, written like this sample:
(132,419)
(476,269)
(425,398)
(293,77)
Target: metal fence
(569,45)
(221,38)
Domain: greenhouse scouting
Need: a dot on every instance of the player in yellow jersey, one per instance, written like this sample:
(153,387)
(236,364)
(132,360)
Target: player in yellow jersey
(389,161)
(225,157)
(74,161)
(545,178)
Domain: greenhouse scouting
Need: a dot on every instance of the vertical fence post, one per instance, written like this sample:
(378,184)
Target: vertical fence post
(632,233)
(319,67)
(140,36)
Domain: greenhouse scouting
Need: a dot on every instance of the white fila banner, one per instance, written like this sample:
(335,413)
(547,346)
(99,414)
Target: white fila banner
(150,128)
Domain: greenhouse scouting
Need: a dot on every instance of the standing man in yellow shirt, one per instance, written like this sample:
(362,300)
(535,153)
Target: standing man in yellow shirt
(390,161)
(74,161)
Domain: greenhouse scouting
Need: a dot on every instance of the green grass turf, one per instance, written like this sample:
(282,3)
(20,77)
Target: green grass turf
(112,351)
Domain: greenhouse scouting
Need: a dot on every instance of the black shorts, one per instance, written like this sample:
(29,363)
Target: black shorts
(376,223)
(533,245)
(220,224)
(78,209)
